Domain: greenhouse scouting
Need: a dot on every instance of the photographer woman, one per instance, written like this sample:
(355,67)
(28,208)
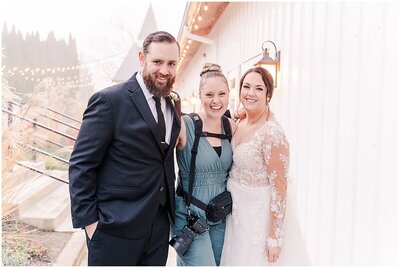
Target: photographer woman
(214,158)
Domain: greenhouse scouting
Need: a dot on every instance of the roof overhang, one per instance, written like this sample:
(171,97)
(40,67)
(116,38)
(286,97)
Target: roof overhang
(198,21)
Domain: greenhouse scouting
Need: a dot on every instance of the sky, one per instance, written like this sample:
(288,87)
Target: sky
(104,29)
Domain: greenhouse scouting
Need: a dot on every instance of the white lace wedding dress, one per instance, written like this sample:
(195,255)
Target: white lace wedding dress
(262,213)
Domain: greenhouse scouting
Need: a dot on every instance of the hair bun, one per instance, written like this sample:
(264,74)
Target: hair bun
(210,67)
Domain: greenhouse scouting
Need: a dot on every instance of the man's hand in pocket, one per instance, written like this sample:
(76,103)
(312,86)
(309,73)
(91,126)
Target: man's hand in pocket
(90,229)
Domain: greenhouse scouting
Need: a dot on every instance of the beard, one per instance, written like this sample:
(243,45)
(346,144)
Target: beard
(154,87)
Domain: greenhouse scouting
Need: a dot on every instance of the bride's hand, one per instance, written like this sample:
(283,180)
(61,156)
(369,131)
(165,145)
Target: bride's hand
(239,114)
(273,253)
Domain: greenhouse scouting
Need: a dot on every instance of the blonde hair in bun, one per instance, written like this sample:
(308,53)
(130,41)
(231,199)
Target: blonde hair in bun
(210,67)
(211,70)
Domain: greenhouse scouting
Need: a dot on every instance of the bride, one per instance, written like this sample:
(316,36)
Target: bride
(262,229)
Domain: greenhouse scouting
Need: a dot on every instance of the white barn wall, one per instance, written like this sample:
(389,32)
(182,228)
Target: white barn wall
(189,83)
(337,101)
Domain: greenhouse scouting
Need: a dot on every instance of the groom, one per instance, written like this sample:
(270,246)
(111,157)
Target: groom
(121,170)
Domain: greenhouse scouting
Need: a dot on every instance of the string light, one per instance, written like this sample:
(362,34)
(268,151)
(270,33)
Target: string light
(42,70)
(57,69)
(34,77)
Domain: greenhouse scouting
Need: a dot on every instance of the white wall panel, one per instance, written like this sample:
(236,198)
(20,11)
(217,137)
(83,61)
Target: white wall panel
(337,101)
(347,146)
(388,181)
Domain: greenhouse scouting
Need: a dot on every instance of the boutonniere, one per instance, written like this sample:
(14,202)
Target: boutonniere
(173,96)
(176,101)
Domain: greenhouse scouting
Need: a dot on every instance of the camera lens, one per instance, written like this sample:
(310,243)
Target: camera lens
(181,242)
(179,245)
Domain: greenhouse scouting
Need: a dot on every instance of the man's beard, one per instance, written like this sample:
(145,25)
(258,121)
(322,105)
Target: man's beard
(153,87)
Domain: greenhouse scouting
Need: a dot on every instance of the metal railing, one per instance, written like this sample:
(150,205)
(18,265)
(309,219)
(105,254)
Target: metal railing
(39,124)
(43,152)
(59,121)
(64,115)
(35,124)
(51,142)
(52,118)
(42,172)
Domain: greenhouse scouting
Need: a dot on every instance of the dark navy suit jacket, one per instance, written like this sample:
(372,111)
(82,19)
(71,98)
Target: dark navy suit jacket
(118,167)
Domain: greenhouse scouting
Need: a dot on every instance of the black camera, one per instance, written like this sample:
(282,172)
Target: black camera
(181,242)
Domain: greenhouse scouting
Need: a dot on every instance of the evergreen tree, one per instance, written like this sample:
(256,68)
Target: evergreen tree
(27,61)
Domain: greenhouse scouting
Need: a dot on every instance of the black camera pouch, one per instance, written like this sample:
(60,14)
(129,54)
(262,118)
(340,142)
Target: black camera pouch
(219,207)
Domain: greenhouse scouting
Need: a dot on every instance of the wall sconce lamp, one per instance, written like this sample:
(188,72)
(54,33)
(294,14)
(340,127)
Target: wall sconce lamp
(271,65)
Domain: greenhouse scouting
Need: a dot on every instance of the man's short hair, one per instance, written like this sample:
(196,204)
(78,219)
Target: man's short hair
(158,37)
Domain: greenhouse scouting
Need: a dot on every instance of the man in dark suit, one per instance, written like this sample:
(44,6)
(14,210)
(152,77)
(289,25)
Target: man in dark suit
(121,170)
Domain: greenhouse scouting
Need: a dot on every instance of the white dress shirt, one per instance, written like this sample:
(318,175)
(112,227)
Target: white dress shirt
(168,114)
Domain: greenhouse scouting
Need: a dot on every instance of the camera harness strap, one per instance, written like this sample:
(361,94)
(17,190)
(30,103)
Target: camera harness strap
(198,126)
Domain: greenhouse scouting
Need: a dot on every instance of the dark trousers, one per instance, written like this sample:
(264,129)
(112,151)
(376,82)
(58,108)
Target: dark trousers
(149,250)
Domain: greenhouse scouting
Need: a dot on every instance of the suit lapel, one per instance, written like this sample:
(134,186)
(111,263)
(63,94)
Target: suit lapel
(142,106)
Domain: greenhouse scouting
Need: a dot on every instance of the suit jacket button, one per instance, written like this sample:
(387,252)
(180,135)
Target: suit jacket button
(161,189)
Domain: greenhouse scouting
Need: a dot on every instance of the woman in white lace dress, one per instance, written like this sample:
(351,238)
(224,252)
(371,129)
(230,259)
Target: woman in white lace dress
(262,215)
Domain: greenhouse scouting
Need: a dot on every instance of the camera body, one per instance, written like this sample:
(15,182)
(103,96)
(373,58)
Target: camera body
(182,241)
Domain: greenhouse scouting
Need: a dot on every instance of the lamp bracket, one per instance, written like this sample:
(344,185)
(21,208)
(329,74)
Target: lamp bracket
(277,54)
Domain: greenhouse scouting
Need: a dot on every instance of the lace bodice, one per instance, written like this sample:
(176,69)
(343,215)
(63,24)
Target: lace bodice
(264,161)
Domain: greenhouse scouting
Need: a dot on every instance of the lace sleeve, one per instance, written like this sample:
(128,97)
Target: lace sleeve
(276,155)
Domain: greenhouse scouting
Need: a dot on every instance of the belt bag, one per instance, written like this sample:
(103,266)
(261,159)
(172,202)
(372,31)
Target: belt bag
(219,207)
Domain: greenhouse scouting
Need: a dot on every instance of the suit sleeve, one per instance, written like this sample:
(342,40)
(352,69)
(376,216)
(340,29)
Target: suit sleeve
(94,137)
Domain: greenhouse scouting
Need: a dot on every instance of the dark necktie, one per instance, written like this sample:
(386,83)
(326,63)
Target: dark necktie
(160,117)
(164,145)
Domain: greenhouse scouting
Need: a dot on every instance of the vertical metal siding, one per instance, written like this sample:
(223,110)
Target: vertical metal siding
(337,101)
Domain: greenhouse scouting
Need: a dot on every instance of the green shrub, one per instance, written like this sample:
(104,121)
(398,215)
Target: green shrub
(52,163)
(15,255)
